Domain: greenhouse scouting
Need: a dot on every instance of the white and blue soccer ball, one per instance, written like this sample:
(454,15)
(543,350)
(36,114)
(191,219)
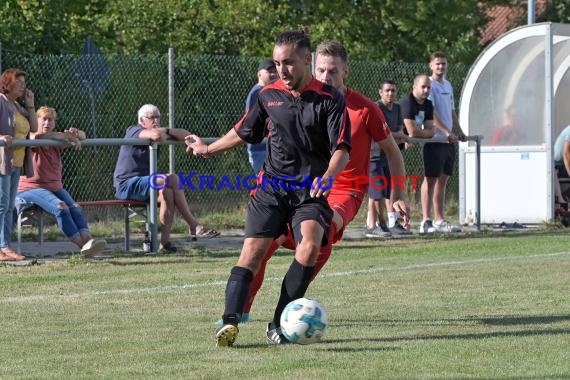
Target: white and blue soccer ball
(304,321)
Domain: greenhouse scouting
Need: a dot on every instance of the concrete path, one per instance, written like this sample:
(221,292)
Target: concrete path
(52,251)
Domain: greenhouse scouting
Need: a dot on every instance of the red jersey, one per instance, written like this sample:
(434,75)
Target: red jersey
(367,125)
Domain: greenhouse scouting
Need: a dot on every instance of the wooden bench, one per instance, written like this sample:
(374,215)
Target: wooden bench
(34,213)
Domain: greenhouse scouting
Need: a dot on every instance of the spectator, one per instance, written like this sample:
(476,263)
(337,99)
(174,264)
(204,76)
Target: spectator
(46,190)
(417,112)
(509,133)
(439,157)
(266,74)
(132,175)
(380,194)
(16,122)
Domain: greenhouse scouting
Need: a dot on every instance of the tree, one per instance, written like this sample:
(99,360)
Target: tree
(388,30)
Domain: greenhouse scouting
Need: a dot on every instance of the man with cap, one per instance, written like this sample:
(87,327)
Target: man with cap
(266,74)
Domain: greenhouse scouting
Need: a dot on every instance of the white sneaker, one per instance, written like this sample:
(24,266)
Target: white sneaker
(445,226)
(426,227)
(93,247)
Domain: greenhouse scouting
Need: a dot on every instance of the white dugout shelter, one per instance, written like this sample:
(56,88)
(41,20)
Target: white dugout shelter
(522,78)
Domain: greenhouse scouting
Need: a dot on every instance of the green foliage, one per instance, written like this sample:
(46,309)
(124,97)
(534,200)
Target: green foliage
(387,31)
(556,11)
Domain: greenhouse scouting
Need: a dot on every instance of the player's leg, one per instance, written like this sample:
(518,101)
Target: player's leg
(258,279)
(266,219)
(310,223)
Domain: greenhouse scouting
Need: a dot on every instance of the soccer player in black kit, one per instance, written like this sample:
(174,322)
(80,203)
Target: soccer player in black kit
(308,145)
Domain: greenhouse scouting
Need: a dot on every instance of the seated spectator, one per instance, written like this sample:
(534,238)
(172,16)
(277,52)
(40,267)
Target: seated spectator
(132,175)
(562,161)
(45,188)
(510,132)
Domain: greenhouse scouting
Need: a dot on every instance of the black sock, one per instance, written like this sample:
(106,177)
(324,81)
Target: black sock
(294,286)
(237,289)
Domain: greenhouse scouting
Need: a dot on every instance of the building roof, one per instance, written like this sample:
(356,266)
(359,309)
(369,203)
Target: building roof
(505,17)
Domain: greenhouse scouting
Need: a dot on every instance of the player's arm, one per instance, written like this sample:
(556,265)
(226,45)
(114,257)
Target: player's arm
(400,137)
(200,148)
(338,161)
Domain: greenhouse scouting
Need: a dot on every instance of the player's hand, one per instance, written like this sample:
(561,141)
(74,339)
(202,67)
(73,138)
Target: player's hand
(462,137)
(402,208)
(321,186)
(195,145)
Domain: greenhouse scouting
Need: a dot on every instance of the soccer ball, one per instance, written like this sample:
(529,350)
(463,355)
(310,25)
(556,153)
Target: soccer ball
(303,321)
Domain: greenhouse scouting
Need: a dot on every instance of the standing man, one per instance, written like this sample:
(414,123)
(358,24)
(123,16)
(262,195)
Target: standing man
(266,74)
(348,192)
(439,158)
(377,195)
(309,142)
(417,112)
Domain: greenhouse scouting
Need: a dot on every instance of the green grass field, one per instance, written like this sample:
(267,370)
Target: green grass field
(419,308)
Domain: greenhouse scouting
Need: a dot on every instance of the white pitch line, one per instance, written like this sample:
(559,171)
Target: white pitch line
(158,289)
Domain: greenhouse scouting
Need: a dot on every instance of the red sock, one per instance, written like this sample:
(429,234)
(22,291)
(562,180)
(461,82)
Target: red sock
(258,279)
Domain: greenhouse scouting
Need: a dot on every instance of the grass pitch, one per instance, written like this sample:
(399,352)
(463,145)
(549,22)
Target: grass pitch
(419,308)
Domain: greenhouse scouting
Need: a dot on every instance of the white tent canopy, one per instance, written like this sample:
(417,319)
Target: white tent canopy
(516,96)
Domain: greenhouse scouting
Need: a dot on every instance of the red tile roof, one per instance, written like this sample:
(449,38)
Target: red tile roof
(503,17)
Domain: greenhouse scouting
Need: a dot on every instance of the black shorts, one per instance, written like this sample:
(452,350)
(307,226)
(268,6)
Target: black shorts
(380,183)
(270,211)
(438,159)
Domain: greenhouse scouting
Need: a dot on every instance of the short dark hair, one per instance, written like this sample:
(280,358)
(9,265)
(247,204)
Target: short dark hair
(387,81)
(332,48)
(298,38)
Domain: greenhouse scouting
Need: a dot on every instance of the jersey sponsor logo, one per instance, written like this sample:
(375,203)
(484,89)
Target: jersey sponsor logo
(274,103)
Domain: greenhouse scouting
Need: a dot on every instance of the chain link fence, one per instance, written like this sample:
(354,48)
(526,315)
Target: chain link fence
(102,94)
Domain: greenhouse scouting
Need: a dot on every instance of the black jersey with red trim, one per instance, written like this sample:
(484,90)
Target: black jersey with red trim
(304,131)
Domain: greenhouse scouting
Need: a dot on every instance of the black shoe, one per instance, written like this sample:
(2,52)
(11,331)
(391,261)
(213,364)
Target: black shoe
(398,229)
(274,335)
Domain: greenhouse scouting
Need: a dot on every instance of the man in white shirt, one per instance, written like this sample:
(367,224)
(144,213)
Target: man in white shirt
(439,158)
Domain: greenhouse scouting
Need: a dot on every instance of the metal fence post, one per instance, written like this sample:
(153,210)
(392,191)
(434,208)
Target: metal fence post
(171,156)
(153,213)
